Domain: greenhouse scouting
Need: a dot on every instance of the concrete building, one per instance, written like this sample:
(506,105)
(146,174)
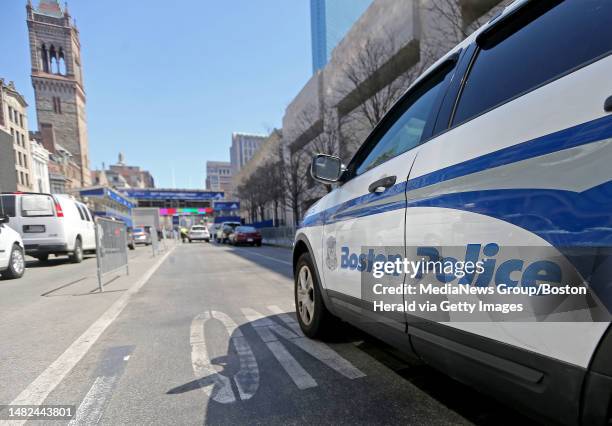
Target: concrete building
(8,177)
(14,121)
(269,151)
(330,20)
(386,49)
(57,78)
(40,167)
(219,177)
(244,146)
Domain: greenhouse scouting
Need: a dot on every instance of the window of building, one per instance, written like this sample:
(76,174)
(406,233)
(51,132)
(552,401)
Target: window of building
(539,44)
(57,105)
(10,110)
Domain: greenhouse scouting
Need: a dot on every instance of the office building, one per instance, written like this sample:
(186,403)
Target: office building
(219,176)
(244,146)
(330,20)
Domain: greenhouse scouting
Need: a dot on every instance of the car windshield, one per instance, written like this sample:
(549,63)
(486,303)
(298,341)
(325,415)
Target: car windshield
(197,228)
(246,229)
(138,230)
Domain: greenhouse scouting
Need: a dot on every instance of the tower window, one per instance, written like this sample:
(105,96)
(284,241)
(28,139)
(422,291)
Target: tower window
(44,58)
(57,105)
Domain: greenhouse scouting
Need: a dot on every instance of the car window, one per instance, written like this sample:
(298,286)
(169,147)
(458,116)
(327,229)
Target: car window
(246,229)
(138,230)
(539,44)
(80,210)
(406,132)
(7,205)
(197,228)
(36,206)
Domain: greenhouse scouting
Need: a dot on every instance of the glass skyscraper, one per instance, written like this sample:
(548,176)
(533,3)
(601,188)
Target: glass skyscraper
(330,20)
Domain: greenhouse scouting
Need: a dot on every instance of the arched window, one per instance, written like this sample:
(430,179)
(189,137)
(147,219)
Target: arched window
(44,58)
(61,62)
(53,58)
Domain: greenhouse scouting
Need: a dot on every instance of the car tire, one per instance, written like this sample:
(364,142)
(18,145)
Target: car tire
(16,267)
(131,246)
(315,321)
(77,255)
(42,257)
(189,241)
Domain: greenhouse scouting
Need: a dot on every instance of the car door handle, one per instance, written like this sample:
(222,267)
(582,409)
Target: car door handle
(381,185)
(608,104)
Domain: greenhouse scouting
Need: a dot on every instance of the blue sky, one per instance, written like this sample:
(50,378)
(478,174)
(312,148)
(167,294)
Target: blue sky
(167,82)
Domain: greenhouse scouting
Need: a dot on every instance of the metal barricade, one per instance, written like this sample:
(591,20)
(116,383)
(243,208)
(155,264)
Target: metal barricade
(111,247)
(280,236)
(154,240)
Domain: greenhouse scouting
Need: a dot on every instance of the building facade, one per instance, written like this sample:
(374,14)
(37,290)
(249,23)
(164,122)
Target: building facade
(57,78)
(14,120)
(219,177)
(122,176)
(330,20)
(8,177)
(244,146)
(40,167)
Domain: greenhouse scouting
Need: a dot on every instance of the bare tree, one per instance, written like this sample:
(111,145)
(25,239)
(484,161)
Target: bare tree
(295,182)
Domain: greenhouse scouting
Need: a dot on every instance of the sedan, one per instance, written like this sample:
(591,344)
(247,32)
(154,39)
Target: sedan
(198,233)
(142,236)
(246,235)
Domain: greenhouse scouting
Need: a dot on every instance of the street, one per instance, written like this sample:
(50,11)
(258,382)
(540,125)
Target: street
(210,338)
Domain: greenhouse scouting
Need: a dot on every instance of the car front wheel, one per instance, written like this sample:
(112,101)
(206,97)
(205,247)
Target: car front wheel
(313,316)
(16,266)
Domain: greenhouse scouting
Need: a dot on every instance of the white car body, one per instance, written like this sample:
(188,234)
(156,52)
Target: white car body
(534,171)
(51,224)
(198,233)
(8,239)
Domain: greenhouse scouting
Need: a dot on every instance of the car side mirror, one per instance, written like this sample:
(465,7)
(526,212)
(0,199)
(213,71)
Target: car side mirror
(326,168)
(4,219)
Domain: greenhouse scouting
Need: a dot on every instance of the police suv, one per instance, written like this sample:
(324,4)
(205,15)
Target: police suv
(505,141)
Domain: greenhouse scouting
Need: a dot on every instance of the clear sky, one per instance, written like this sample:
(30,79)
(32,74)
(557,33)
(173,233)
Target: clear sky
(167,82)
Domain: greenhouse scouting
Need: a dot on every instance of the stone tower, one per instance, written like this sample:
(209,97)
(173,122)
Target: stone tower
(57,78)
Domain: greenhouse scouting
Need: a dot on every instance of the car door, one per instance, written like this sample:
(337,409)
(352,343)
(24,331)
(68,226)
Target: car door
(366,221)
(5,246)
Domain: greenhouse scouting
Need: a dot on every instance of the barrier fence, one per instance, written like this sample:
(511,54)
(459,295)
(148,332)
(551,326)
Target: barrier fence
(111,247)
(280,236)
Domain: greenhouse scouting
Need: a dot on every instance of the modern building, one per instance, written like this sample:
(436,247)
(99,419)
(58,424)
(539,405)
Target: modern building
(269,151)
(219,177)
(14,120)
(57,78)
(40,167)
(244,146)
(330,20)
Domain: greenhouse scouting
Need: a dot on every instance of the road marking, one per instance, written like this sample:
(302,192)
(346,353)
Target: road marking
(268,330)
(214,384)
(108,373)
(41,387)
(264,256)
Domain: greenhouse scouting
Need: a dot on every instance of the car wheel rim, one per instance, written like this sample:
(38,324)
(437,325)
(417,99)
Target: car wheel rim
(18,262)
(305,295)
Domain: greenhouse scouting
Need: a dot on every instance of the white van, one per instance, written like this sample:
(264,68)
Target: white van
(503,147)
(51,224)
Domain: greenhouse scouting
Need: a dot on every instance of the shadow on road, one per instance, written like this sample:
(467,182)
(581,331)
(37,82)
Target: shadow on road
(247,384)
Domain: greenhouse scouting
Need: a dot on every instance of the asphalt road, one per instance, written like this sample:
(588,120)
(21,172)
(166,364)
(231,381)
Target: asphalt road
(206,334)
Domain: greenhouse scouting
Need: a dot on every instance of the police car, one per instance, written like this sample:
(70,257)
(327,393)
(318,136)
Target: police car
(506,141)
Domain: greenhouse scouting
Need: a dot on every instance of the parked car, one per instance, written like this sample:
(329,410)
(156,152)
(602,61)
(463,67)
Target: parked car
(245,235)
(224,231)
(142,235)
(12,254)
(130,238)
(503,143)
(51,224)
(198,233)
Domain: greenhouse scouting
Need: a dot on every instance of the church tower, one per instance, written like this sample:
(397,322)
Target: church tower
(57,77)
